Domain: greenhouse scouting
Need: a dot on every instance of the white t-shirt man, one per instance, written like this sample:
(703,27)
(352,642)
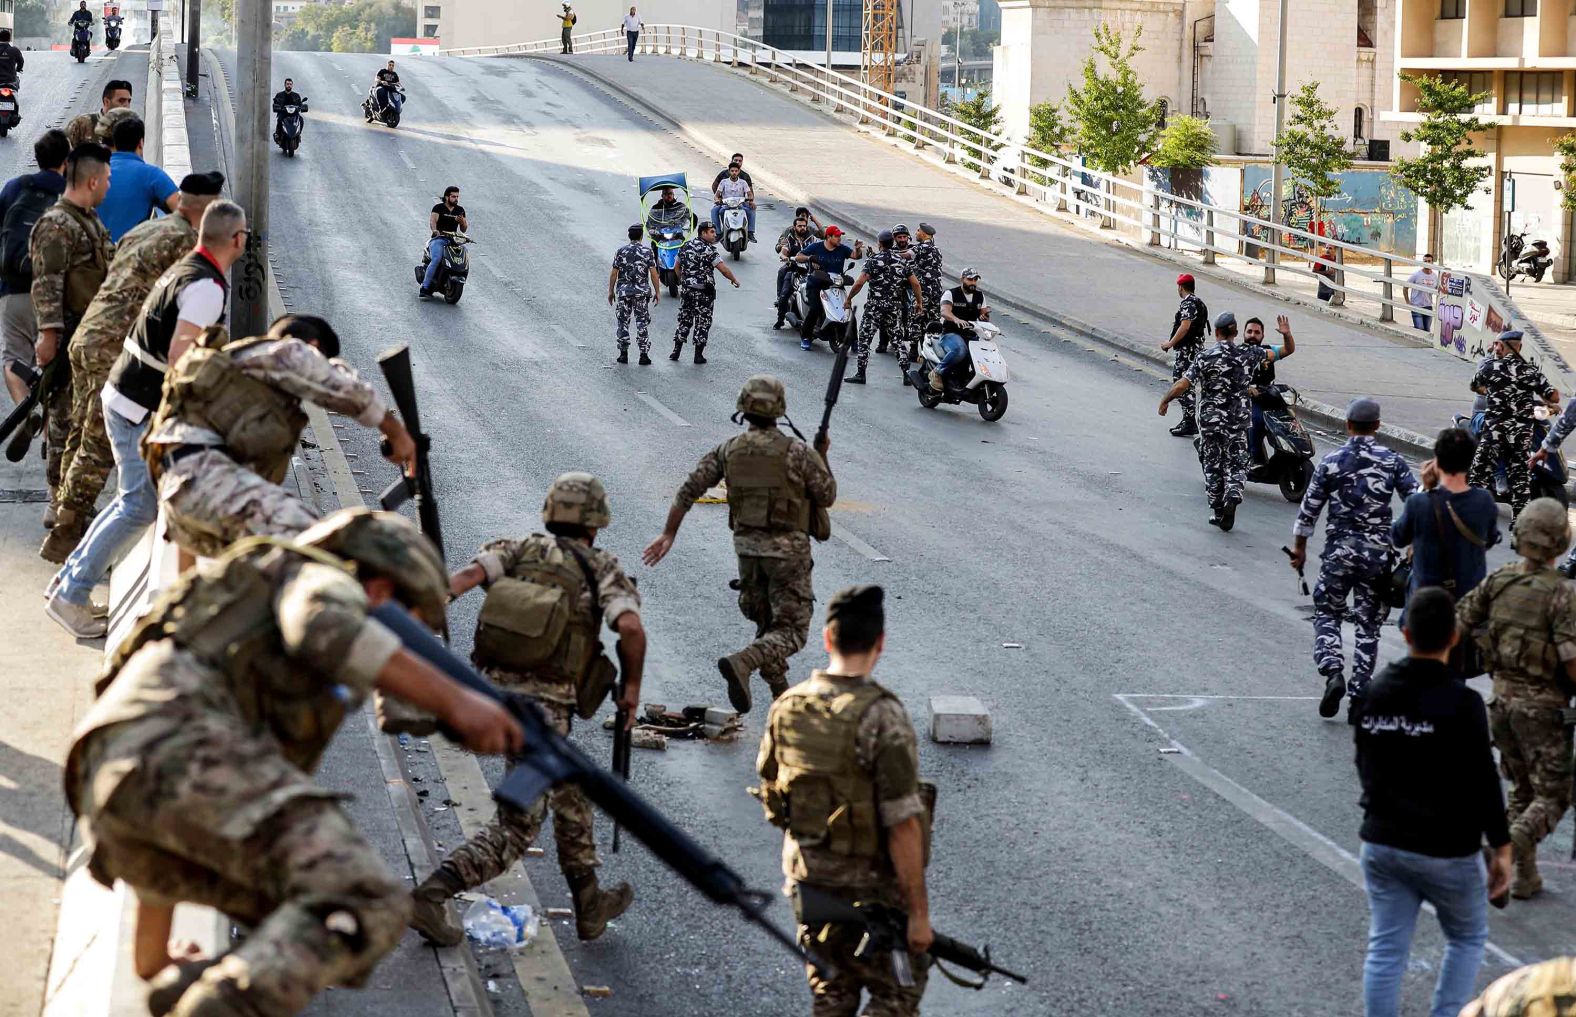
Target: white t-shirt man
(733,188)
(199,304)
(631,23)
(1423,298)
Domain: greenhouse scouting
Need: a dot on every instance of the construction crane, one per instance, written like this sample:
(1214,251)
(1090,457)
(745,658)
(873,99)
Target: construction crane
(878,39)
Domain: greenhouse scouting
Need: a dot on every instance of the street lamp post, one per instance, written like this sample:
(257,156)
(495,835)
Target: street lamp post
(1278,171)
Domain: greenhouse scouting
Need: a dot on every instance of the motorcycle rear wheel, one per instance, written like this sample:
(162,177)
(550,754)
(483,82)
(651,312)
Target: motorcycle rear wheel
(928,397)
(993,402)
(452,292)
(1293,484)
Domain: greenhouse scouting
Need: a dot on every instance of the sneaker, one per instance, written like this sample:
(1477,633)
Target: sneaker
(738,679)
(1334,690)
(76,619)
(752,238)
(804,344)
(645,360)
(423,293)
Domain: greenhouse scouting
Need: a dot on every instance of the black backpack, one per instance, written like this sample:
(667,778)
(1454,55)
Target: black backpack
(16,260)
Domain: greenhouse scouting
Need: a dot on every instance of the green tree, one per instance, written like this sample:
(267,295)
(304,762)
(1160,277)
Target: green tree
(365,26)
(980,112)
(1448,172)
(1114,125)
(1566,147)
(1311,147)
(1048,132)
(976,43)
(32,19)
(1186,143)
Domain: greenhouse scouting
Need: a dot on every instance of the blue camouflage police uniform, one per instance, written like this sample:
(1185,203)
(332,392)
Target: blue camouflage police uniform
(1220,376)
(1357,482)
(1564,424)
(633,262)
(1509,385)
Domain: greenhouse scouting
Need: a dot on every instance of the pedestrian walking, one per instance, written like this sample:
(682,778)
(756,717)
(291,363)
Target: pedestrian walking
(23,200)
(538,633)
(1430,799)
(1421,288)
(1509,385)
(568,19)
(1449,525)
(887,275)
(1357,482)
(1324,269)
(634,288)
(1523,619)
(698,264)
(1188,329)
(632,26)
(778,492)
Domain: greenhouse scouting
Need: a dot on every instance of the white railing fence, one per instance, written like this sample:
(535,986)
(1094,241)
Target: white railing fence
(1367,281)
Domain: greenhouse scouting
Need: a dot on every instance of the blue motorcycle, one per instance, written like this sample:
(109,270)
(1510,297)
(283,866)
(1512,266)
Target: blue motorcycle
(665,210)
(1549,478)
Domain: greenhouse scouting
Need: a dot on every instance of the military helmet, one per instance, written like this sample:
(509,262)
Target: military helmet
(104,130)
(763,396)
(578,499)
(1542,531)
(390,545)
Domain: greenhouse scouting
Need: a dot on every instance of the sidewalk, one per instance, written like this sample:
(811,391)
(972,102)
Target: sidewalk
(1101,288)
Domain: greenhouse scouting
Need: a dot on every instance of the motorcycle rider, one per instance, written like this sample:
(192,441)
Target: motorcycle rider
(830,257)
(81,17)
(287,96)
(386,88)
(1264,377)
(789,243)
(447,216)
(733,186)
(112,23)
(962,306)
(11,62)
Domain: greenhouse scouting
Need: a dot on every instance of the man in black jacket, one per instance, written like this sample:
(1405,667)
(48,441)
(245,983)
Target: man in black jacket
(1431,796)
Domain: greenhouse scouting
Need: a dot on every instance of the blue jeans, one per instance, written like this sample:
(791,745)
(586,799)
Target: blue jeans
(1398,883)
(122,522)
(633,37)
(1422,321)
(716,217)
(435,248)
(956,348)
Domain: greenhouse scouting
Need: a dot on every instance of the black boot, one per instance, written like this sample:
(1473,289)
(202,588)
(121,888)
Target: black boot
(623,356)
(700,356)
(1334,691)
(1187,429)
(1228,515)
(678,347)
(857,378)
(645,359)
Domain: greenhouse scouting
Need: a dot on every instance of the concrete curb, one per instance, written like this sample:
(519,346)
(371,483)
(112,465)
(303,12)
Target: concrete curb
(1326,414)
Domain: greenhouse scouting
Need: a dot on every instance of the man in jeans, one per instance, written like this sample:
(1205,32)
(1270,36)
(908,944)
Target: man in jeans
(1422,300)
(1431,796)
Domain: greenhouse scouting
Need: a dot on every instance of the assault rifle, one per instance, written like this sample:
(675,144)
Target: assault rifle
(886,931)
(395,365)
(27,419)
(622,735)
(549,758)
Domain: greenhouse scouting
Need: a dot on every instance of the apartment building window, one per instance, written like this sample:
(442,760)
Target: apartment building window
(431,12)
(1452,10)
(1479,83)
(429,31)
(1359,123)
(1534,93)
(1521,8)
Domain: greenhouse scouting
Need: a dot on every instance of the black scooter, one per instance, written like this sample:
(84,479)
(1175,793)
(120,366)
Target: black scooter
(287,127)
(387,113)
(1285,457)
(453,270)
(112,33)
(81,43)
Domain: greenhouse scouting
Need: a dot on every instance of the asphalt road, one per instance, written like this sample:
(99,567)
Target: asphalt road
(1052,564)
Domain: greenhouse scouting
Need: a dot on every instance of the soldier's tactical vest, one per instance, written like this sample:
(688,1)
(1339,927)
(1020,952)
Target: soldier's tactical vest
(83,281)
(760,496)
(822,797)
(260,424)
(222,613)
(1515,638)
(531,624)
(139,372)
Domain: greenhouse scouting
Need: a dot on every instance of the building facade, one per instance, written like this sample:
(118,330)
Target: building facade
(1522,54)
(429,19)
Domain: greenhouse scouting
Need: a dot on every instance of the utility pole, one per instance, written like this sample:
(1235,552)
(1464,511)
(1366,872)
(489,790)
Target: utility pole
(249,277)
(193,34)
(828,40)
(1278,172)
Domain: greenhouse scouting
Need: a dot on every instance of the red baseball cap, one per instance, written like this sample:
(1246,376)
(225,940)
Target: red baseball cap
(833,231)
(1184,278)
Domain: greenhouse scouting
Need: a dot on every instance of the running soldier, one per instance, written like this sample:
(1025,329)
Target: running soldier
(190,775)
(230,419)
(886,273)
(557,575)
(140,258)
(634,266)
(1357,481)
(1188,329)
(698,260)
(1509,385)
(778,494)
(1523,618)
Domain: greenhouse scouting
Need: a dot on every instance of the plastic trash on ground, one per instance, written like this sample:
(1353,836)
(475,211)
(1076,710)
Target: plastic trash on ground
(508,926)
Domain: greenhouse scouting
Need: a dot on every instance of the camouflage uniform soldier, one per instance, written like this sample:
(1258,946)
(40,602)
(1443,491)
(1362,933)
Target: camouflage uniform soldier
(1188,329)
(840,749)
(1357,480)
(190,774)
(1523,617)
(529,582)
(229,420)
(778,494)
(140,258)
(100,127)
(1509,384)
(698,258)
(71,252)
(927,266)
(886,273)
(1222,375)
(634,288)
(1537,990)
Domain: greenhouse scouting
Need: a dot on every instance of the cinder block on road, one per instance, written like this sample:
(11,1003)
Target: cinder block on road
(959,720)
(720,717)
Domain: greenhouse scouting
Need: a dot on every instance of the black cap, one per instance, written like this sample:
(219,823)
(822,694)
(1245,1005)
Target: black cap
(861,602)
(203,183)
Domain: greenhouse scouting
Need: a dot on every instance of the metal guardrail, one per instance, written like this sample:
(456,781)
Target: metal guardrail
(1061,186)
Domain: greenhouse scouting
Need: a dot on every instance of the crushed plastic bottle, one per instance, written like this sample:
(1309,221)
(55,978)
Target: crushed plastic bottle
(491,924)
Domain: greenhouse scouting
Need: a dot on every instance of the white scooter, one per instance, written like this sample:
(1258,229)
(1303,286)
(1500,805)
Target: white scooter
(735,226)
(838,324)
(980,378)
